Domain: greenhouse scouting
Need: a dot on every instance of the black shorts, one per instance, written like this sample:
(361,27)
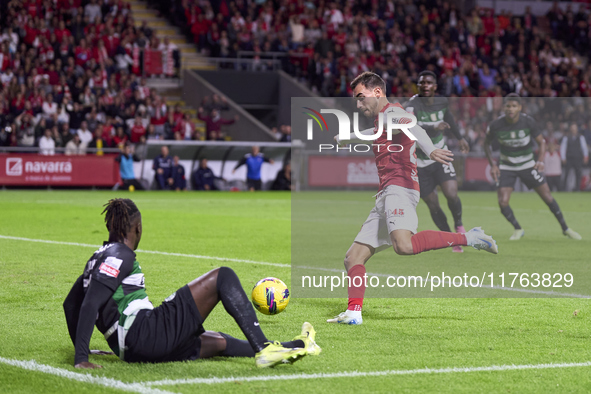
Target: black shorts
(530,177)
(169,332)
(433,175)
(255,184)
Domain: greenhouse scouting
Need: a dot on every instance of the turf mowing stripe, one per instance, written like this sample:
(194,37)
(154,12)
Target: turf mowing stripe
(355,374)
(32,365)
(549,293)
(194,256)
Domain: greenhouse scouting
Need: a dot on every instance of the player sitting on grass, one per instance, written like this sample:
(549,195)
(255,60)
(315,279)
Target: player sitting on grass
(111,292)
(394,221)
(515,132)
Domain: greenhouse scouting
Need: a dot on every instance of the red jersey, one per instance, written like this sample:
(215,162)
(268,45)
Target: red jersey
(398,167)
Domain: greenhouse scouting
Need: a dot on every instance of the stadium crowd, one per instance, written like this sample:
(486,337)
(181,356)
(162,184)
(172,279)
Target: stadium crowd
(73,67)
(70,72)
(325,44)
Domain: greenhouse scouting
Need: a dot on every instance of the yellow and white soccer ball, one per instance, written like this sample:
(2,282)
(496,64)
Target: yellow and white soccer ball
(270,296)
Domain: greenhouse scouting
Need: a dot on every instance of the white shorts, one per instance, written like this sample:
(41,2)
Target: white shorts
(396,209)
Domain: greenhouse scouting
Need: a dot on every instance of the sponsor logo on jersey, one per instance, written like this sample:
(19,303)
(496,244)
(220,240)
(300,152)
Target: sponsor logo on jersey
(111,266)
(108,270)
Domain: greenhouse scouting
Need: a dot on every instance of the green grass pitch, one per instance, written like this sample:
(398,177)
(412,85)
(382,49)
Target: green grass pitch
(398,334)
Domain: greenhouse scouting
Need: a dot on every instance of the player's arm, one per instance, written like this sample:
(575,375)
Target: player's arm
(240,163)
(442,156)
(494,169)
(96,297)
(454,129)
(542,152)
(270,161)
(72,305)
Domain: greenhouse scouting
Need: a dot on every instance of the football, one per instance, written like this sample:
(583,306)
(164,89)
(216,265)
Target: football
(270,296)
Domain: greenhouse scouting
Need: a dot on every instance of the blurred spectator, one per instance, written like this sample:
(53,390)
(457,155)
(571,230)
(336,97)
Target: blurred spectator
(120,138)
(98,142)
(283,179)
(65,136)
(204,177)
(47,144)
(5,136)
(75,146)
(213,123)
(125,160)
(25,129)
(553,166)
(138,131)
(163,169)
(84,134)
(575,154)
(178,175)
(254,161)
(285,133)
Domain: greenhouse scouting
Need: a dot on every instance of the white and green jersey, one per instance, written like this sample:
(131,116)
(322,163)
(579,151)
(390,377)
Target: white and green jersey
(428,117)
(515,140)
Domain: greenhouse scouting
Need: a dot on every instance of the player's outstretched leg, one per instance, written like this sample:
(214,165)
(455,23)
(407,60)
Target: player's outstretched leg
(450,191)
(504,194)
(222,284)
(438,216)
(355,260)
(220,344)
(544,192)
(405,243)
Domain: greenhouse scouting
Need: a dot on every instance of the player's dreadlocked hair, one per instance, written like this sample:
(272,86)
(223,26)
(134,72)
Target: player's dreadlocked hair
(120,213)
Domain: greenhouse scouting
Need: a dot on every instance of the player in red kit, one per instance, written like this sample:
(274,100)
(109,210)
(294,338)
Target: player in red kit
(393,221)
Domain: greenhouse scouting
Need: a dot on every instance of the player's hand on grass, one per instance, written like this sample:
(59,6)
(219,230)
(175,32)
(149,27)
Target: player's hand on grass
(442,156)
(102,353)
(464,146)
(442,126)
(87,365)
(495,172)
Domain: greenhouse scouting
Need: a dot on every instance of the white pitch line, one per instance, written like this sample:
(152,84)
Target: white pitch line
(355,374)
(194,256)
(32,365)
(224,259)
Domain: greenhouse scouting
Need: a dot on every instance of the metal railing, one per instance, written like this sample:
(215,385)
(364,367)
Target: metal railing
(221,63)
(61,150)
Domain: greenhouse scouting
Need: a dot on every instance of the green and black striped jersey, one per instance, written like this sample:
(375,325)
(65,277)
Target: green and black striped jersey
(515,140)
(115,266)
(428,117)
